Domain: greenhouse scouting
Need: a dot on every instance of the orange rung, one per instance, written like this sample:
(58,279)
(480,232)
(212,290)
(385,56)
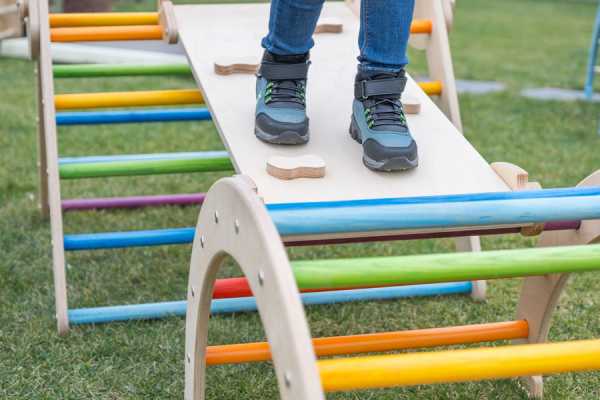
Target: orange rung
(376,342)
(420,26)
(103,19)
(431,88)
(102,33)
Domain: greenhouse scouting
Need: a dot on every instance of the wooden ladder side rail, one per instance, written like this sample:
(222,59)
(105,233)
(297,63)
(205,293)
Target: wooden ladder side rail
(540,294)
(48,139)
(234,221)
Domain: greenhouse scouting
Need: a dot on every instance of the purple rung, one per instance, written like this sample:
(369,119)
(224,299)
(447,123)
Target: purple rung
(550,226)
(134,202)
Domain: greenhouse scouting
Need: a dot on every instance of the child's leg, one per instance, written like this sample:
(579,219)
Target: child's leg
(384,32)
(378,120)
(291,26)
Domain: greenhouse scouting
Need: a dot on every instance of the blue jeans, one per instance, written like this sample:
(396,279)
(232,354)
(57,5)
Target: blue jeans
(383,37)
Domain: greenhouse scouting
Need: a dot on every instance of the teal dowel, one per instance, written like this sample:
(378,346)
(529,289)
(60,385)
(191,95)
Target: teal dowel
(145,167)
(405,270)
(99,70)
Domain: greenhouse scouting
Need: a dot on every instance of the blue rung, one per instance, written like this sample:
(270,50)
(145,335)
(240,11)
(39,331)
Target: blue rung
(455,198)
(143,157)
(128,117)
(112,240)
(178,308)
(515,208)
(435,216)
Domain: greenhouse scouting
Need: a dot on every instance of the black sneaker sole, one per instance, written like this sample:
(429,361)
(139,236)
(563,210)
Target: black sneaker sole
(288,137)
(392,164)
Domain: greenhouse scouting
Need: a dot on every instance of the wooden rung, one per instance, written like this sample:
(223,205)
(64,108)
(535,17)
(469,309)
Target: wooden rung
(106,33)
(459,365)
(127,99)
(103,19)
(335,346)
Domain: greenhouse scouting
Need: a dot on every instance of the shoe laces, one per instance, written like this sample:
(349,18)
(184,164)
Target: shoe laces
(288,90)
(385,112)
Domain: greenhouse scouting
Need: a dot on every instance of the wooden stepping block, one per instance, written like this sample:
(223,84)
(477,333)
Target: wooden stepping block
(307,166)
(329,25)
(411,104)
(237,65)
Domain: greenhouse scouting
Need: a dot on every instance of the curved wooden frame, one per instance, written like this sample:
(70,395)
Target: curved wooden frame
(234,221)
(540,294)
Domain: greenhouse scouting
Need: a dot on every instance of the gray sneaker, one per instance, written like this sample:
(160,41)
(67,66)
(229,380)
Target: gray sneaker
(379,124)
(281,99)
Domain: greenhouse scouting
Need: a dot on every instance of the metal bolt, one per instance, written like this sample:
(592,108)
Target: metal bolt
(217,217)
(237,226)
(202,242)
(261,277)
(189,357)
(288,378)
(193,291)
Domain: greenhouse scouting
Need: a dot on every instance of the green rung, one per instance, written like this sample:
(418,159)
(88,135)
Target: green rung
(145,167)
(406,270)
(98,70)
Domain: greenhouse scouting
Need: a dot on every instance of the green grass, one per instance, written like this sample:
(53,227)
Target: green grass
(523,43)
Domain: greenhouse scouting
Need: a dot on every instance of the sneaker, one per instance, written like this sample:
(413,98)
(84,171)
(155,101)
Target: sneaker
(281,99)
(379,124)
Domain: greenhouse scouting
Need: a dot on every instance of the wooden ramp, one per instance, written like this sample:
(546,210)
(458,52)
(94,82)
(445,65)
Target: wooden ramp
(448,164)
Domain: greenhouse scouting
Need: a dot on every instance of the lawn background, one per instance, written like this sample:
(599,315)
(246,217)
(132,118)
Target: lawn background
(524,43)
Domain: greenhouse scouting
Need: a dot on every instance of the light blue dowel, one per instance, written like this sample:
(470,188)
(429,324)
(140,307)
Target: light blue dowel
(425,216)
(178,308)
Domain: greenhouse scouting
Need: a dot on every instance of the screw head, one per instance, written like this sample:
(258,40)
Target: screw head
(193,291)
(202,242)
(288,378)
(217,217)
(237,226)
(189,357)
(261,277)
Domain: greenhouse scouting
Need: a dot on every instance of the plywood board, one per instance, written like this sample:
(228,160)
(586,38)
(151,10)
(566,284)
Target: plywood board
(448,164)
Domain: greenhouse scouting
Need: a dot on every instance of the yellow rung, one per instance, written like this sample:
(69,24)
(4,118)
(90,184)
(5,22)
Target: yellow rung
(459,365)
(431,88)
(127,99)
(103,19)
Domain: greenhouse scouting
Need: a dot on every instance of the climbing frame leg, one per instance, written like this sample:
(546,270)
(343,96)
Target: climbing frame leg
(233,221)
(42,164)
(540,294)
(472,243)
(49,120)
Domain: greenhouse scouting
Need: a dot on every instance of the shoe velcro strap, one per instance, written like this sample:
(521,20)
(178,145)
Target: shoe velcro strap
(272,71)
(381,87)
